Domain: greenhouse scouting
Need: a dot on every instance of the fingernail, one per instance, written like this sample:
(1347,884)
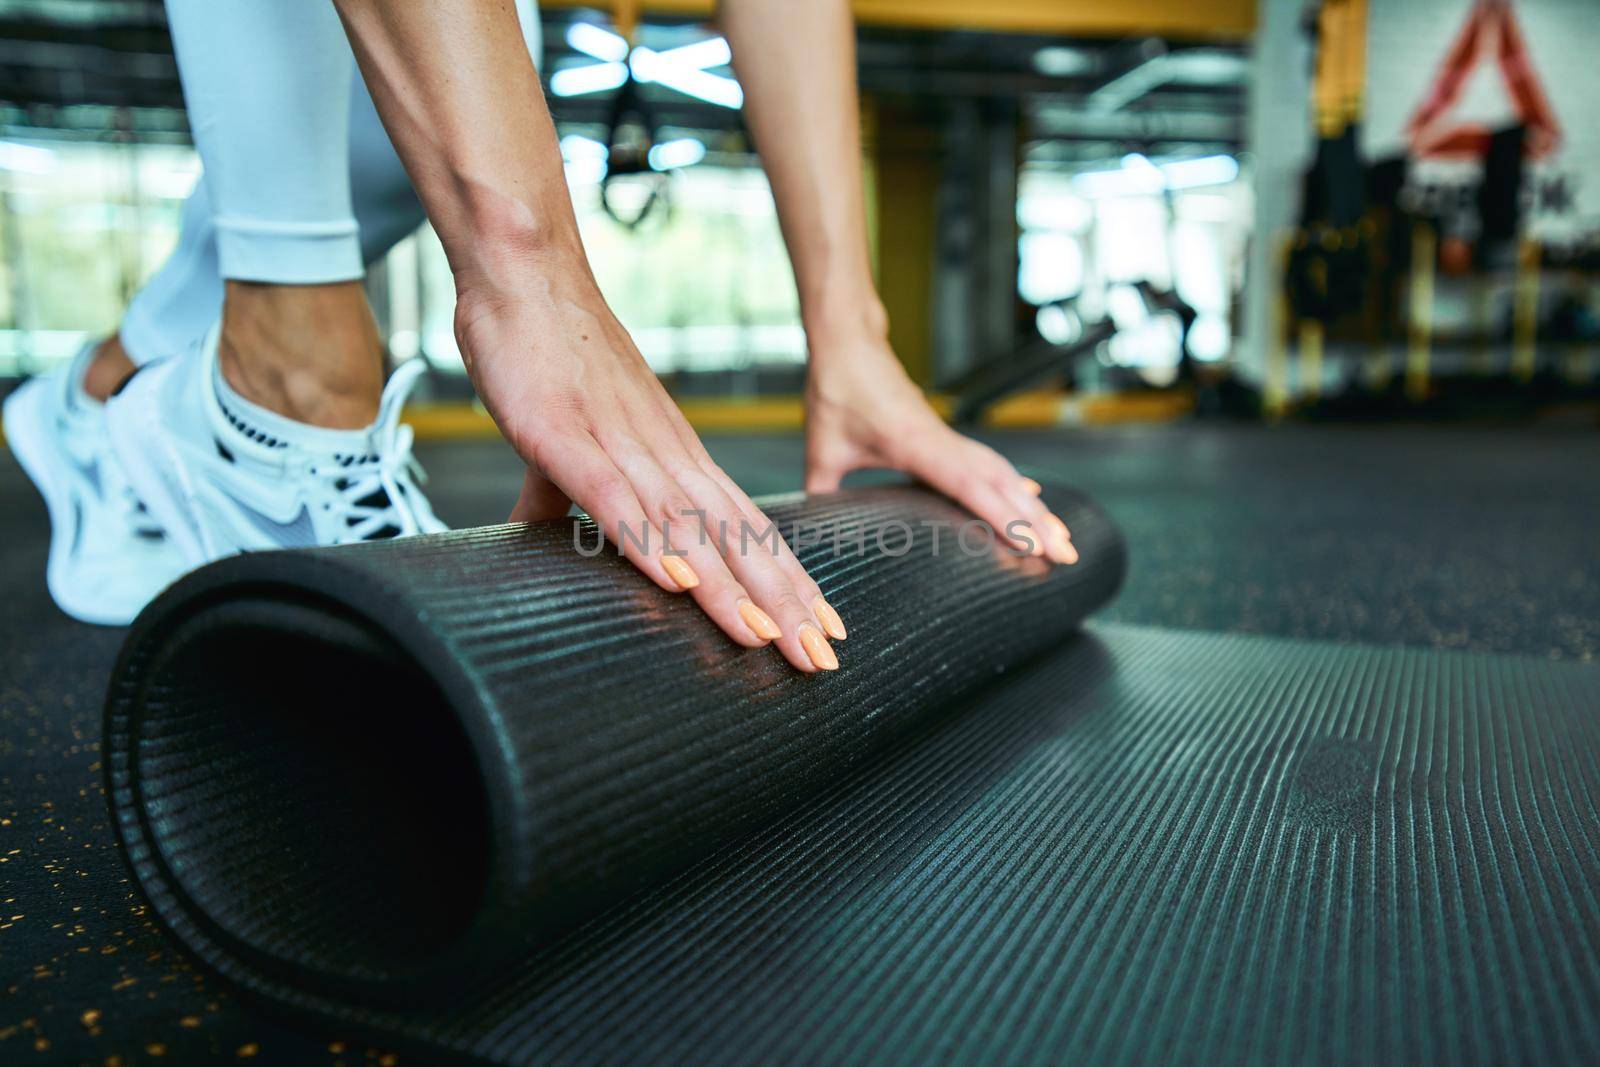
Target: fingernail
(1061,540)
(1040,535)
(1032,486)
(830,619)
(760,622)
(680,572)
(1030,539)
(817,648)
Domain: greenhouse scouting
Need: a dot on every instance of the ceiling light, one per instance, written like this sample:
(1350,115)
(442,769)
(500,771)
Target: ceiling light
(665,69)
(1207,170)
(599,43)
(1059,61)
(672,155)
(591,78)
(712,52)
(576,147)
(26,158)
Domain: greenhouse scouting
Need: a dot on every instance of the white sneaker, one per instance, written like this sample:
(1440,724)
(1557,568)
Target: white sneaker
(219,487)
(108,557)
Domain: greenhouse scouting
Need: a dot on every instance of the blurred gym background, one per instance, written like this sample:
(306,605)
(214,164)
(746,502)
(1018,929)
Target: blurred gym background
(1082,210)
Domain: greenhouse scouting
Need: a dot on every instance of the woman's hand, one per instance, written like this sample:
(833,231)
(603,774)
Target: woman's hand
(863,411)
(576,400)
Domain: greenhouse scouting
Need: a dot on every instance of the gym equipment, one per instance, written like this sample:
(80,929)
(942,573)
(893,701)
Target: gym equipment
(484,800)
(1032,365)
(630,156)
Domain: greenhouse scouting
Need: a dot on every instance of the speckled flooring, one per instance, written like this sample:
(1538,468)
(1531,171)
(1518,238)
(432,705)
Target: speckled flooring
(1480,539)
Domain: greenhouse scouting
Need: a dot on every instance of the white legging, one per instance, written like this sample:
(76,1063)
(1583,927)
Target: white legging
(300,183)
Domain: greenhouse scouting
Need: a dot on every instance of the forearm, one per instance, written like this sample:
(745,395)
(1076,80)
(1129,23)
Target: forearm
(797,63)
(553,366)
(462,103)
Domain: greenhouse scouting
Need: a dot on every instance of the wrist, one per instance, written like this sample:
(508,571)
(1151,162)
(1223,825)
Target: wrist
(552,296)
(844,321)
(505,241)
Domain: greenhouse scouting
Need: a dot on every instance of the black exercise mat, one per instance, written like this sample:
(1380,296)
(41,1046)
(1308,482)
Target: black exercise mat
(983,841)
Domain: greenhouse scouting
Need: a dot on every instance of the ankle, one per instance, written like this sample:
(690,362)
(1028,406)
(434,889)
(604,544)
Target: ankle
(310,353)
(304,395)
(107,369)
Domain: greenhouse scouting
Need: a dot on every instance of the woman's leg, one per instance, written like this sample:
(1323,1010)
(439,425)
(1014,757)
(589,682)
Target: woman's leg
(268,92)
(267,88)
(183,298)
(178,304)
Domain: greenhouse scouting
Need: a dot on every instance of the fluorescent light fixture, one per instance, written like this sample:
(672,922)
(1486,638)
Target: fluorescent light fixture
(684,69)
(1209,338)
(26,158)
(1207,170)
(575,148)
(599,43)
(1124,181)
(712,52)
(592,78)
(1058,325)
(1138,176)
(1126,307)
(660,67)
(1139,165)
(1207,66)
(682,152)
(1059,61)
(585,171)
(1054,211)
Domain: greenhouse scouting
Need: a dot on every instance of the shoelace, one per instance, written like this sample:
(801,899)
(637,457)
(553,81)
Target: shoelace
(379,495)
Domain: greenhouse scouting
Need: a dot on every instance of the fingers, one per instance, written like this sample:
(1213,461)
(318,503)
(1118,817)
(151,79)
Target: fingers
(822,476)
(540,499)
(742,588)
(1056,530)
(758,557)
(688,527)
(823,612)
(677,525)
(821,479)
(985,483)
(1022,495)
(577,464)
(691,531)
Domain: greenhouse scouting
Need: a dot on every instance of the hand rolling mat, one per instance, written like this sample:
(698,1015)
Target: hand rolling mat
(485,800)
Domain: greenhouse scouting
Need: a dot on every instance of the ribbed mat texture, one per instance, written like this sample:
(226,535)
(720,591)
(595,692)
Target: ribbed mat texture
(485,800)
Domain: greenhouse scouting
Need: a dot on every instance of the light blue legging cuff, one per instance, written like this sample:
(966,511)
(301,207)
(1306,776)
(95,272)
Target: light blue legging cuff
(259,250)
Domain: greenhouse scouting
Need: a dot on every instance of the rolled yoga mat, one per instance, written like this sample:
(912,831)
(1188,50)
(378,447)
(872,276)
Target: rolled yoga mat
(478,798)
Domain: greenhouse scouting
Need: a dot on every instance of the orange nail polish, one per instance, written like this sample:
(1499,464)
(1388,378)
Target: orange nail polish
(1029,538)
(680,572)
(817,648)
(760,622)
(1061,540)
(830,619)
(1032,486)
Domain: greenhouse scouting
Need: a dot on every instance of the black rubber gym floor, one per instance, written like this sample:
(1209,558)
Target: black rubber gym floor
(1445,538)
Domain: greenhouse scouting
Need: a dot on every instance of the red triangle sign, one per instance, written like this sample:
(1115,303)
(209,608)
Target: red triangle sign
(1491,31)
